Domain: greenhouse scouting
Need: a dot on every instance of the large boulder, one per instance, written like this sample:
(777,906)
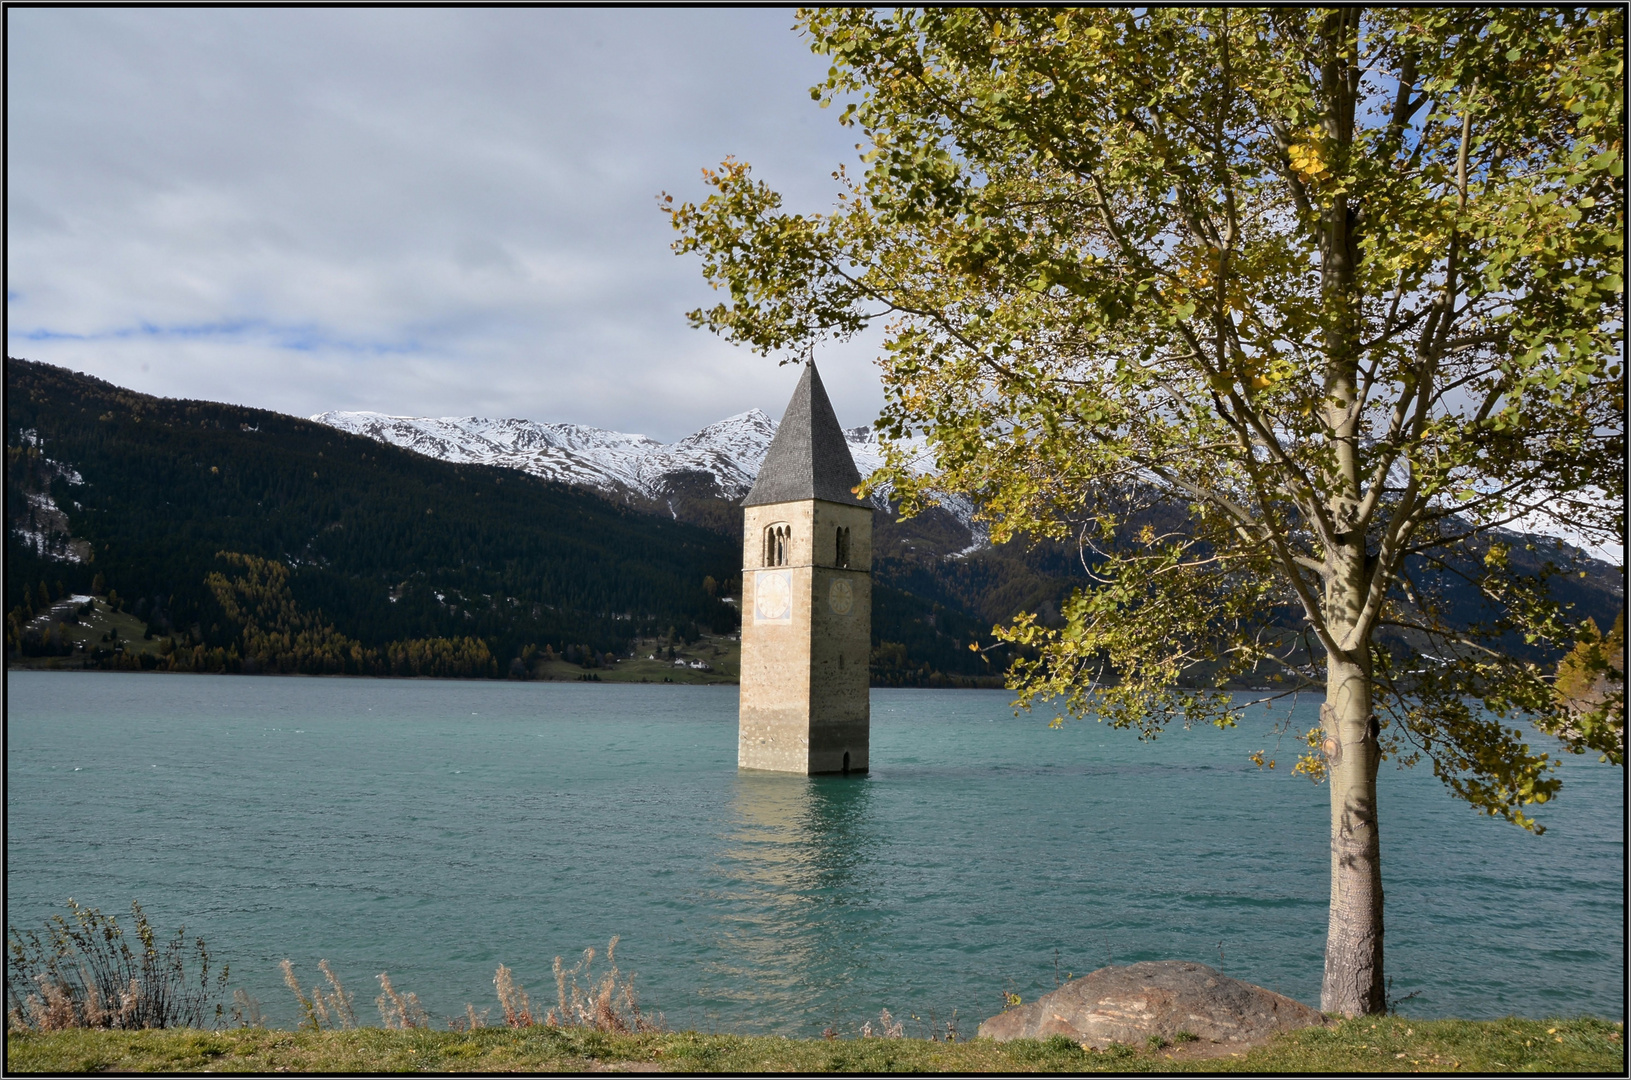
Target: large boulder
(1129,1004)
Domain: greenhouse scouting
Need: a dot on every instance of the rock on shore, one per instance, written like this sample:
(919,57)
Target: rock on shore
(1129,1004)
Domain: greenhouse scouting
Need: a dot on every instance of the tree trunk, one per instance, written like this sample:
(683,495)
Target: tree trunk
(1353,943)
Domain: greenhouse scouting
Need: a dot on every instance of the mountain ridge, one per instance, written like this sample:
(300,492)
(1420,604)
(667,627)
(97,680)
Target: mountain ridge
(729,452)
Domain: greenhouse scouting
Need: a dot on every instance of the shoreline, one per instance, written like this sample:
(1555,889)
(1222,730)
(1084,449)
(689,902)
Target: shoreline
(88,670)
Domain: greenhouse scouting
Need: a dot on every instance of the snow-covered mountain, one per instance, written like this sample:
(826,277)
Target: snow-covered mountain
(729,451)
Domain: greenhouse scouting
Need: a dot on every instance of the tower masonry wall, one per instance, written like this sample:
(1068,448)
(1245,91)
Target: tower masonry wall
(806,639)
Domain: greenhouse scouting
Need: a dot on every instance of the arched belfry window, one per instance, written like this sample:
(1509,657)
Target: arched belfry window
(778,539)
(841,557)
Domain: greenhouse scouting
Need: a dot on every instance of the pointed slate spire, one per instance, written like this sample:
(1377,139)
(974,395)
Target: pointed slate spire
(808,458)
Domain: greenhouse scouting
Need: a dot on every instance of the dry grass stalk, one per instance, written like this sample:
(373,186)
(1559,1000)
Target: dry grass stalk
(557,1016)
(888,1027)
(307,1007)
(399,1011)
(246,1010)
(98,1015)
(321,1009)
(513,998)
(52,1009)
(338,1001)
(332,1009)
(603,1005)
(94,1014)
(58,1006)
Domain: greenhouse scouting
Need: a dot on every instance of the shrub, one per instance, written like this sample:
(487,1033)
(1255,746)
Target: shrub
(83,973)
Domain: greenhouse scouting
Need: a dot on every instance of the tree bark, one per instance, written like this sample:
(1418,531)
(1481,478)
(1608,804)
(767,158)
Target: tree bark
(1353,944)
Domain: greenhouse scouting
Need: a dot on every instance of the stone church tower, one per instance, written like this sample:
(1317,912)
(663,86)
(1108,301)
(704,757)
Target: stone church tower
(806,599)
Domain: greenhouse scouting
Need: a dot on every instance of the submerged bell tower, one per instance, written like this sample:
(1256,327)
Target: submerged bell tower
(806,599)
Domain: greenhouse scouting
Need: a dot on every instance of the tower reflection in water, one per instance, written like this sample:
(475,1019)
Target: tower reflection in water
(798,902)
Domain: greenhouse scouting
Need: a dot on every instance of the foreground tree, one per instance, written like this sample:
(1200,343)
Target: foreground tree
(1341,287)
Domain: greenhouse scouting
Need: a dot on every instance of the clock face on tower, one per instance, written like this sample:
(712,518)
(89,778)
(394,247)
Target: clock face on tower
(773,596)
(841,596)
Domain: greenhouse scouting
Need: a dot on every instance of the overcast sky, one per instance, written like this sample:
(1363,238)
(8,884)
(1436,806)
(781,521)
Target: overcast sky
(423,212)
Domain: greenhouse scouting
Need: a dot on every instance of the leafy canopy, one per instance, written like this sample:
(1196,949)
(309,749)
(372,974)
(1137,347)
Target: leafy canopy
(1342,287)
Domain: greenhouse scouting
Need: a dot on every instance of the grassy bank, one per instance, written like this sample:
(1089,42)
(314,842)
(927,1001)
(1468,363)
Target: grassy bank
(96,630)
(1356,1046)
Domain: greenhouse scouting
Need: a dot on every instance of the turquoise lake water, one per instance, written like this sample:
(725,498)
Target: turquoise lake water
(437,829)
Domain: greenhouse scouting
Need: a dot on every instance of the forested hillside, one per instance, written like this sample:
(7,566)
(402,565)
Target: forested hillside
(183,512)
(385,544)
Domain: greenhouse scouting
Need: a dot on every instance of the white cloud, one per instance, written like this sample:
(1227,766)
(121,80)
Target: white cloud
(411,210)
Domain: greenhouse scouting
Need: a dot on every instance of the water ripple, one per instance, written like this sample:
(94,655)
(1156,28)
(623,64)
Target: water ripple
(435,829)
